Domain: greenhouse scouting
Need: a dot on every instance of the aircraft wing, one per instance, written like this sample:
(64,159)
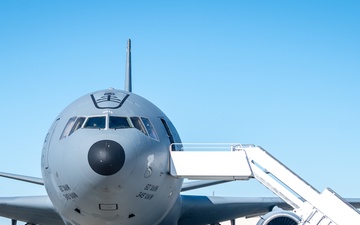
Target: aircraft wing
(211,210)
(35,209)
(29,179)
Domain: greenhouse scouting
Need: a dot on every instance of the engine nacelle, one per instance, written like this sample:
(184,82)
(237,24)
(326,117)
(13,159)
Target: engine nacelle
(279,217)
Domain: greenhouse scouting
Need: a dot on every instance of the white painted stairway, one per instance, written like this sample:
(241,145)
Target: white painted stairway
(244,162)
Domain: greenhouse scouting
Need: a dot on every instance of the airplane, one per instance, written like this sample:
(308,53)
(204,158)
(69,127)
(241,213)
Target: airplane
(105,161)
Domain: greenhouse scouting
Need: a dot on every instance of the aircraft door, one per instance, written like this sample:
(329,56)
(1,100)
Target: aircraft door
(172,134)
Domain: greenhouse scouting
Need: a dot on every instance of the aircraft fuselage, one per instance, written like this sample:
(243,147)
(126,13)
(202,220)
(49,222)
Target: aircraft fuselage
(105,161)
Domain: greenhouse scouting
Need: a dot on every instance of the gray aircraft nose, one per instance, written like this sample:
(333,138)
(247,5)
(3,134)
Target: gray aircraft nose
(106,157)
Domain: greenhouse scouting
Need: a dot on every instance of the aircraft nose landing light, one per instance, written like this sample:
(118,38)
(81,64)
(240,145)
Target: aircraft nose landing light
(106,157)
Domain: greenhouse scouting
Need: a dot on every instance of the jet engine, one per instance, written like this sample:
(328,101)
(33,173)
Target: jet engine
(279,217)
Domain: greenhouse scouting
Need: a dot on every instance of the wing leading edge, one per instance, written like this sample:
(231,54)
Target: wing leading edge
(28,179)
(186,186)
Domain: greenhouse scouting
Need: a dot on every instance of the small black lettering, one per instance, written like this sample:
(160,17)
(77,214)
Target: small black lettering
(70,196)
(149,196)
(144,195)
(64,188)
(151,187)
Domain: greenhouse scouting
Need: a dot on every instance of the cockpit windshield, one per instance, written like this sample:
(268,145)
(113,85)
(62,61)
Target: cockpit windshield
(109,122)
(95,122)
(118,122)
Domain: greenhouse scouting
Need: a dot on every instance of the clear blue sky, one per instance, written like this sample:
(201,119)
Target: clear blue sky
(284,75)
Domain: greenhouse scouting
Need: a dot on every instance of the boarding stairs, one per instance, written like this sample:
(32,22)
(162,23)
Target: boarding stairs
(243,162)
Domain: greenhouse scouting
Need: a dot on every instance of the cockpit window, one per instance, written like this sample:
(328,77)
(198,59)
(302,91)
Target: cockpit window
(77,125)
(149,128)
(72,125)
(144,125)
(173,135)
(68,127)
(138,124)
(118,122)
(95,122)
